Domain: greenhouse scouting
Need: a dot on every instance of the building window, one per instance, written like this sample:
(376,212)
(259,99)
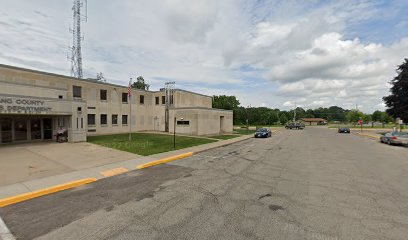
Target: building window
(171,99)
(104,95)
(124,119)
(77,91)
(157,100)
(82,123)
(183,122)
(60,97)
(104,119)
(91,119)
(141,99)
(114,119)
(79,109)
(124,97)
(163,99)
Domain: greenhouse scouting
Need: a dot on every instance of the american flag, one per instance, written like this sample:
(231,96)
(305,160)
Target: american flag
(130,88)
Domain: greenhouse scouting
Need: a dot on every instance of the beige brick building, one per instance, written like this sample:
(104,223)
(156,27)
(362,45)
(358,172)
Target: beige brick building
(34,104)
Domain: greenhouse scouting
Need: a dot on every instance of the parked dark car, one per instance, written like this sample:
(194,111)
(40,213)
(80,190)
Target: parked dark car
(263,133)
(343,130)
(400,138)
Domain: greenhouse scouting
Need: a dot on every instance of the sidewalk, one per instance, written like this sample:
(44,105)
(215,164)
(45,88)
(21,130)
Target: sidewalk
(107,169)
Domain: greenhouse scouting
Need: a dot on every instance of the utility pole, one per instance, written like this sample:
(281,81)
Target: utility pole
(76,49)
(294,114)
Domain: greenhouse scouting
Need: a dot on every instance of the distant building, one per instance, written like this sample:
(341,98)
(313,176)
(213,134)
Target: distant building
(314,121)
(34,105)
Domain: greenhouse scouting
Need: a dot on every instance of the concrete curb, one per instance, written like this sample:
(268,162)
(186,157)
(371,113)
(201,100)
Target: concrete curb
(5,233)
(164,160)
(368,135)
(26,196)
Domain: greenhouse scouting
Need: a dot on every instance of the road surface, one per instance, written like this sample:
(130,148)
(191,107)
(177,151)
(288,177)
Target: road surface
(299,184)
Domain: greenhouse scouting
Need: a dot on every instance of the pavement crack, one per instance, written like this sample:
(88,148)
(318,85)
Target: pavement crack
(263,196)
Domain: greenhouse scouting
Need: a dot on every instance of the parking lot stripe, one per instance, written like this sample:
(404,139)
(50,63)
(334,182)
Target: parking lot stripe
(164,160)
(26,196)
(113,172)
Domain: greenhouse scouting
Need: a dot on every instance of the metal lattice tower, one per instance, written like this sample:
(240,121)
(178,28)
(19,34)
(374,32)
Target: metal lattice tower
(76,55)
(169,90)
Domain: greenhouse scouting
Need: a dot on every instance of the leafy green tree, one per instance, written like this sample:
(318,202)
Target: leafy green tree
(273,117)
(367,118)
(239,116)
(382,117)
(225,102)
(283,119)
(397,101)
(100,77)
(309,113)
(377,116)
(141,84)
(354,115)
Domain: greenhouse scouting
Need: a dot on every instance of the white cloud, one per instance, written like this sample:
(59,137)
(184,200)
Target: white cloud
(300,52)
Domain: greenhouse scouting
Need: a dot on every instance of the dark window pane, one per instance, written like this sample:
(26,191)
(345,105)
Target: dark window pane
(141,99)
(124,97)
(77,91)
(91,119)
(163,99)
(6,130)
(124,119)
(104,119)
(104,94)
(114,119)
(157,100)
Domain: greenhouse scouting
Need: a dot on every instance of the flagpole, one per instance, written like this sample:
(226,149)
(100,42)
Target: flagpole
(130,110)
(130,118)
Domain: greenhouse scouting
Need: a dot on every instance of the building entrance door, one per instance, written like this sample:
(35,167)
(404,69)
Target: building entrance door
(35,129)
(222,119)
(156,124)
(6,128)
(20,129)
(47,128)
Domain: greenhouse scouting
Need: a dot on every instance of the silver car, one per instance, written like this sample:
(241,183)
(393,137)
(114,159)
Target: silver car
(400,138)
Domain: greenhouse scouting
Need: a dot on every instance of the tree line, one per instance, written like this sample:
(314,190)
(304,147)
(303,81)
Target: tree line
(270,116)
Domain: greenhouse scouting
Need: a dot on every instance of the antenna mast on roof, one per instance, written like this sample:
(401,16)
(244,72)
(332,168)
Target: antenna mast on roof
(76,55)
(169,100)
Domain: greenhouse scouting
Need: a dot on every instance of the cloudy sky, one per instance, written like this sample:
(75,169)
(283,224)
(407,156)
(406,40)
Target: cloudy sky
(267,53)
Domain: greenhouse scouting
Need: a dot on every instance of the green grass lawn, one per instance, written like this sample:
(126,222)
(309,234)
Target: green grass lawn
(270,126)
(224,137)
(244,131)
(386,126)
(146,143)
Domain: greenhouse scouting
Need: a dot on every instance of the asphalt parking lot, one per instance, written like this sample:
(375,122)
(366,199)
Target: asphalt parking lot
(298,184)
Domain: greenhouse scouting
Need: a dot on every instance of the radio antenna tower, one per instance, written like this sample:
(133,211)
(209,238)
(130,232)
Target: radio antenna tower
(76,55)
(169,88)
